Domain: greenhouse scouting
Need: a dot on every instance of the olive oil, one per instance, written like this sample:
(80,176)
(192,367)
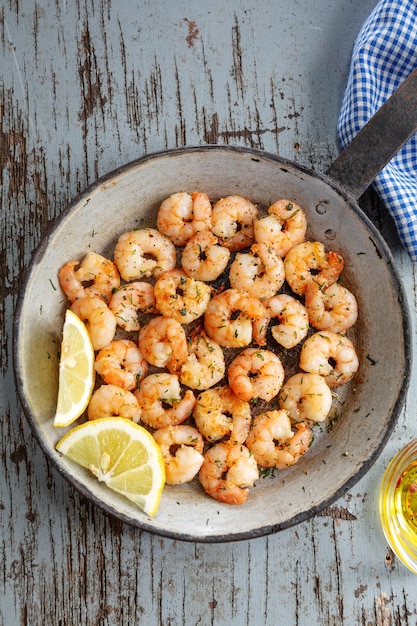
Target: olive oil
(406,499)
(398,505)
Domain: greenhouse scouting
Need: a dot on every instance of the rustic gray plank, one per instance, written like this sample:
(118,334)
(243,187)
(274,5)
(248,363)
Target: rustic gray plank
(86,87)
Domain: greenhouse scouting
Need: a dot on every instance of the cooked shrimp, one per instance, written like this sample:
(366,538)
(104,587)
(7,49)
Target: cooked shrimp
(204,365)
(95,276)
(232,222)
(163,343)
(256,373)
(259,272)
(121,363)
(306,397)
(307,262)
(110,400)
(292,317)
(144,252)
(222,325)
(227,472)
(127,301)
(283,228)
(182,452)
(220,414)
(182,215)
(99,320)
(203,258)
(331,355)
(69,281)
(273,442)
(331,308)
(181,297)
(158,390)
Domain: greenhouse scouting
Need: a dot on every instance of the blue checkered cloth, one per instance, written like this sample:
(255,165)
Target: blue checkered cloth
(384,54)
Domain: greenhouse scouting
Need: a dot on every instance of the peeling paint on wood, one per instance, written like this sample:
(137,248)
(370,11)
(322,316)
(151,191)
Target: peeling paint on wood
(85,88)
(193,32)
(336,512)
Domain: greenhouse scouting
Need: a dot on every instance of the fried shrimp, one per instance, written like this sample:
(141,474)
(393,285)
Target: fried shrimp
(70,283)
(220,414)
(283,228)
(99,320)
(182,215)
(159,397)
(121,363)
(144,252)
(203,258)
(330,355)
(232,222)
(306,397)
(227,472)
(256,373)
(182,452)
(292,318)
(181,321)
(181,297)
(272,441)
(331,308)
(259,272)
(307,262)
(128,300)
(163,343)
(204,365)
(229,318)
(95,276)
(110,400)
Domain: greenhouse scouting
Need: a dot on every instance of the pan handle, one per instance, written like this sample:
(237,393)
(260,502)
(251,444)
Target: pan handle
(379,140)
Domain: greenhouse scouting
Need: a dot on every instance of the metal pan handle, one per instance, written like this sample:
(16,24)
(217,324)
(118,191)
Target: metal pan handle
(379,140)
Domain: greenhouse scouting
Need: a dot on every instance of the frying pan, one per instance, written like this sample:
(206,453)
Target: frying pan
(365,411)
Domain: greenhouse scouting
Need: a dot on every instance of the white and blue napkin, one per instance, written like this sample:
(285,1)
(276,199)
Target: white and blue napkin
(384,54)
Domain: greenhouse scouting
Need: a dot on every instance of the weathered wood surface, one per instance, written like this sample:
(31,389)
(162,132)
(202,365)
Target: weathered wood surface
(86,87)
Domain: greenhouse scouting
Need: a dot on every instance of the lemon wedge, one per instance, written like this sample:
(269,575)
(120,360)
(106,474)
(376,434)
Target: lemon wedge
(121,454)
(76,371)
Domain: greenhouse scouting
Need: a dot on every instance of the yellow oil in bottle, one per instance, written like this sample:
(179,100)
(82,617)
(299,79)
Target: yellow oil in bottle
(405,500)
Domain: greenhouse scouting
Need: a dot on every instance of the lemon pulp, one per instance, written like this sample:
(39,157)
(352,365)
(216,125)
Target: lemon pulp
(76,371)
(121,454)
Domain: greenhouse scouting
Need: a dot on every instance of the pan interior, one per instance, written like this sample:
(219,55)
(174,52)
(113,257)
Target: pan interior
(364,412)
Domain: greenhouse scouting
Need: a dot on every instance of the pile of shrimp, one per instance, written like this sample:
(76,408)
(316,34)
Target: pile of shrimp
(180,319)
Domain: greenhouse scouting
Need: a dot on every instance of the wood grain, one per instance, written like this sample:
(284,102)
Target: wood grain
(85,88)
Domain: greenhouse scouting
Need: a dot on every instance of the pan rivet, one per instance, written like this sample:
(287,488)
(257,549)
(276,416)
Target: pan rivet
(329,234)
(321,208)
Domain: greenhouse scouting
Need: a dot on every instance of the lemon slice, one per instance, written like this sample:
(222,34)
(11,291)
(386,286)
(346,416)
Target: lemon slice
(76,371)
(121,454)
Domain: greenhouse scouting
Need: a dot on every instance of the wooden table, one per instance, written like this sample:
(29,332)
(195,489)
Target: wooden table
(86,87)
